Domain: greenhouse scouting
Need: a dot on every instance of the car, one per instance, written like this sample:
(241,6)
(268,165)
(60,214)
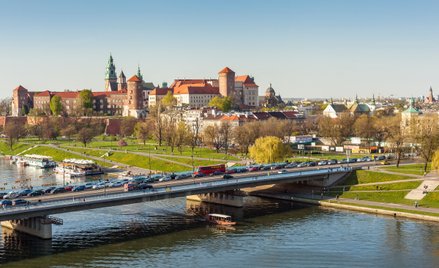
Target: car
(385,162)
(217,173)
(380,158)
(352,160)
(227,176)
(166,178)
(5,203)
(145,186)
(322,163)
(20,202)
(100,185)
(332,162)
(11,195)
(117,184)
(24,192)
(231,171)
(254,168)
(48,190)
(366,159)
(198,175)
(291,165)
(69,187)
(2,194)
(343,161)
(312,164)
(35,193)
(89,185)
(58,190)
(183,176)
(283,171)
(303,164)
(78,188)
(266,167)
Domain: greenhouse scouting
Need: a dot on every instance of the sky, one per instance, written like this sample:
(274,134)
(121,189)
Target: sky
(308,48)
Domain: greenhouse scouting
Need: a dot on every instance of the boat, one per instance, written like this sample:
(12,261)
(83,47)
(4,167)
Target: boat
(36,160)
(78,168)
(220,219)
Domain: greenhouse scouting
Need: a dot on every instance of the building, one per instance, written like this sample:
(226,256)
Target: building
(271,99)
(120,97)
(334,110)
(197,93)
(429,98)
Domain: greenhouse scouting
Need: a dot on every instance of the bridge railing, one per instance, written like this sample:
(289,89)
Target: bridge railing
(178,188)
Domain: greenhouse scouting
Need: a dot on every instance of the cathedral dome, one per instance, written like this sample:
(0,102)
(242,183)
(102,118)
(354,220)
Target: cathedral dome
(270,91)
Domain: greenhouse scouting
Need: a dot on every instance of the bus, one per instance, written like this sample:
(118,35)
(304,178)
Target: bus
(209,170)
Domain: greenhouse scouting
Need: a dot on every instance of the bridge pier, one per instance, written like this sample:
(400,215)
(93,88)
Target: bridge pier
(37,226)
(221,198)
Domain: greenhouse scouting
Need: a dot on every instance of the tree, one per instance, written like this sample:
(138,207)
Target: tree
(143,130)
(56,105)
(328,128)
(85,135)
(245,135)
(169,100)
(169,130)
(13,131)
(86,102)
(225,132)
(127,126)
(182,136)
(68,131)
(5,106)
(435,161)
(364,127)
(222,103)
(212,137)
(427,138)
(268,150)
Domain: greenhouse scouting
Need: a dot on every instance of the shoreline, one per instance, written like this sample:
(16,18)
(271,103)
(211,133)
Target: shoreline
(351,207)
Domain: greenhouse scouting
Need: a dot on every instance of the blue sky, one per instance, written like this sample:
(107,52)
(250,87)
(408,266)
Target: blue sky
(326,48)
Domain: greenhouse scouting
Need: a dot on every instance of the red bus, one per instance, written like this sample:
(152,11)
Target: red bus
(209,170)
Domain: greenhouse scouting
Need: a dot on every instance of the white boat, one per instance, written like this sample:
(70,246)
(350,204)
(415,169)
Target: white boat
(36,160)
(78,167)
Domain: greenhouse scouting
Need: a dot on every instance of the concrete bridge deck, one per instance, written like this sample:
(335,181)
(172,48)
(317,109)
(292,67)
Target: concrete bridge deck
(92,201)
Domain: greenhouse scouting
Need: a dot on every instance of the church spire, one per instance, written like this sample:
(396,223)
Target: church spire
(139,74)
(110,76)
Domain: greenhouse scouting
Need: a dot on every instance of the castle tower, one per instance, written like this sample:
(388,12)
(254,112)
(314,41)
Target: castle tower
(139,74)
(134,102)
(110,76)
(226,80)
(122,82)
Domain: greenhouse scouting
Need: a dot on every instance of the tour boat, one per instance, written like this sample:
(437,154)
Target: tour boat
(36,160)
(78,168)
(220,219)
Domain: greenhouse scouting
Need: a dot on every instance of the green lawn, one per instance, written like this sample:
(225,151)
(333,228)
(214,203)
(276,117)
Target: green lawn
(365,176)
(386,197)
(16,148)
(414,211)
(59,155)
(416,169)
(158,162)
(392,186)
(430,200)
(143,162)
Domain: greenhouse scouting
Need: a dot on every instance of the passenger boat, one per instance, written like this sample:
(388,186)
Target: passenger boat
(36,160)
(78,168)
(220,219)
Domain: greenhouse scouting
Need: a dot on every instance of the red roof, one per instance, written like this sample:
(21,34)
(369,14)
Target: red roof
(108,93)
(20,87)
(43,94)
(226,70)
(67,94)
(196,89)
(246,80)
(229,118)
(134,78)
(160,91)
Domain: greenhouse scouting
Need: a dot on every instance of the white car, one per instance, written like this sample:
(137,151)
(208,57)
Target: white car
(11,195)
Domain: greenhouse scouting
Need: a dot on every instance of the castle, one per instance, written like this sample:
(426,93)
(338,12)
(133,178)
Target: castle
(132,97)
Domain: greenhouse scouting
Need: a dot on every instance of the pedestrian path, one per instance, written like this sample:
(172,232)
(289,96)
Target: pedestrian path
(422,190)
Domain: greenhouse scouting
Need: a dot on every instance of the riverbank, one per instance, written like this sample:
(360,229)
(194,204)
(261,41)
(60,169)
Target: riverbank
(393,210)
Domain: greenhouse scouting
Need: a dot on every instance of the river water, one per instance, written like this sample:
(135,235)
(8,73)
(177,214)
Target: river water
(169,233)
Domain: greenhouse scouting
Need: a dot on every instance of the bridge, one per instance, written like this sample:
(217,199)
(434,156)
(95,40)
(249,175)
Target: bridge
(34,219)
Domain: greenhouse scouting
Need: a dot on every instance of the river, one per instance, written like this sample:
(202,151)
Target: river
(168,233)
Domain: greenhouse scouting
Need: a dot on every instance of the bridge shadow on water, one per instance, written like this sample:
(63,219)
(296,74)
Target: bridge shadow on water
(109,226)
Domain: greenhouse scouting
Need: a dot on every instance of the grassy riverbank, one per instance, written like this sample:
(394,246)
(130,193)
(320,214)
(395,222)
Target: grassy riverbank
(382,187)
